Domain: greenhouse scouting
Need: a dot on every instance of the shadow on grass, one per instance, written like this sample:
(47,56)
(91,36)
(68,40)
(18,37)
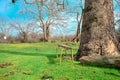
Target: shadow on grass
(98,66)
(102,67)
(50,57)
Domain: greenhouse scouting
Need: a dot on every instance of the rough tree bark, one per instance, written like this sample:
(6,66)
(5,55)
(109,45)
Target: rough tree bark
(44,33)
(25,37)
(98,34)
(48,33)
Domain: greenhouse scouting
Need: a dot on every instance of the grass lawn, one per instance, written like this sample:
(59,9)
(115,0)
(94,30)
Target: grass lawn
(36,61)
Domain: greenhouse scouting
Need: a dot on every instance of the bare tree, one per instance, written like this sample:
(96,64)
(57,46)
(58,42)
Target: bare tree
(79,22)
(51,13)
(117,19)
(47,13)
(117,12)
(77,11)
(118,2)
(25,29)
(4,27)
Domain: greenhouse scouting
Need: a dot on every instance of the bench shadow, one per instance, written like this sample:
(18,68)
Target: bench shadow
(50,57)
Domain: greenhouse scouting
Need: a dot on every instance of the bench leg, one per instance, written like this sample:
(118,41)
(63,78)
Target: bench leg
(57,52)
(72,58)
(61,51)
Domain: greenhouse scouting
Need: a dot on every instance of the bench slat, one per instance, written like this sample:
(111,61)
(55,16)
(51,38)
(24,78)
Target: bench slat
(64,46)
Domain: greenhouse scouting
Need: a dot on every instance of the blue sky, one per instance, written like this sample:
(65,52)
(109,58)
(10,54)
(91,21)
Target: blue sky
(8,12)
(12,12)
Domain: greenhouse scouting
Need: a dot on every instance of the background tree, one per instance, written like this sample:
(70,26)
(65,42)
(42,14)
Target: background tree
(54,13)
(117,19)
(79,22)
(46,13)
(117,12)
(5,30)
(118,30)
(24,29)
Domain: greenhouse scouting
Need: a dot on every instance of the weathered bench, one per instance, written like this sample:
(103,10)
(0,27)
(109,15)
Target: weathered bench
(64,47)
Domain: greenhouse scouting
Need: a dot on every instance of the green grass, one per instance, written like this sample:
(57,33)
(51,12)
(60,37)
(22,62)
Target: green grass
(40,60)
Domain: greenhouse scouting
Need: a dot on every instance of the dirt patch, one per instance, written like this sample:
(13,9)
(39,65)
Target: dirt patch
(10,73)
(5,65)
(64,79)
(27,73)
(46,77)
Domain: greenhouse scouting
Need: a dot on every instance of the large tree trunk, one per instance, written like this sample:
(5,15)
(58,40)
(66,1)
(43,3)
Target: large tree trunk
(98,34)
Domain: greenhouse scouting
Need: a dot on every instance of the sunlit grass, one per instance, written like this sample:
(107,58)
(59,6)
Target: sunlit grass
(39,59)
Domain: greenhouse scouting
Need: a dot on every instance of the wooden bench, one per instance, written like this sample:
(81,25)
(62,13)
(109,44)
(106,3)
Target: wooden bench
(64,47)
